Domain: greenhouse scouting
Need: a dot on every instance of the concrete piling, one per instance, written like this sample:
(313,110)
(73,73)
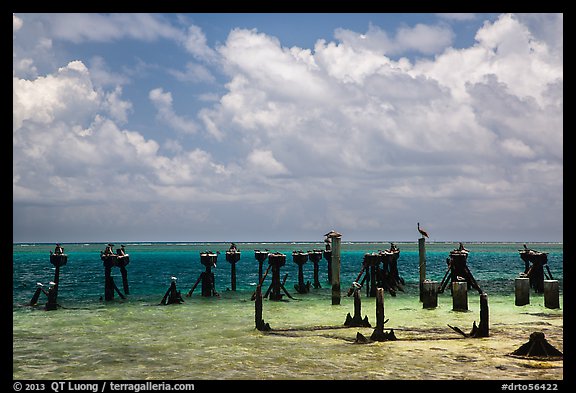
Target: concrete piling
(551,294)
(522,291)
(429,294)
(460,296)
(422,262)
(335,238)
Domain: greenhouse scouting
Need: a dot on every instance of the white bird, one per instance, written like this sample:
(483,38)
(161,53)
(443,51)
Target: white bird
(173,278)
(39,284)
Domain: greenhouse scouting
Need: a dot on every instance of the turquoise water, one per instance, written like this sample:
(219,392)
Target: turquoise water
(215,338)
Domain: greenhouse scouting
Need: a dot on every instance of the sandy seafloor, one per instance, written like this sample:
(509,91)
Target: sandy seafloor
(215,338)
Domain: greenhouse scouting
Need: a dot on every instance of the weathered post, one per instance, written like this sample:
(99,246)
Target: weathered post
(460,296)
(233,256)
(429,294)
(276,260)
(371,262)
(551,294)
(300,258)
(535,271)
(315,256)
(522,291)
(122,261)
(57,260)
(458,270)
(328,257)
(108,260)
(483,326)
(391,280)
(422,262)
(378,334)
(36,296)
(260,257)
(260,324)
(172,295)
(357,319)
(482,330)
(209,260)
(335,238)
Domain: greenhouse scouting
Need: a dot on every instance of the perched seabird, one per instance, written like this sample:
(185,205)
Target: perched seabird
(39,284)
(173,278)
(422,231)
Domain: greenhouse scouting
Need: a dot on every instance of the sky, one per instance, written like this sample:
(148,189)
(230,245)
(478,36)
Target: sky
(281,127)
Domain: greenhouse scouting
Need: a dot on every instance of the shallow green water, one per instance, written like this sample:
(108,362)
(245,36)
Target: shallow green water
(215,338)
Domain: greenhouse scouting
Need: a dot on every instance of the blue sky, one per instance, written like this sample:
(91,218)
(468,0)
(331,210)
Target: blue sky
(253,127)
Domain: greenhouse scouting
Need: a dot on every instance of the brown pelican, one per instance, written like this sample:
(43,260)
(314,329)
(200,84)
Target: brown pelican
(422,231)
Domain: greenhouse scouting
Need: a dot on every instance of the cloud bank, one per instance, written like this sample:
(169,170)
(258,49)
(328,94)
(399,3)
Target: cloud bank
(346,135)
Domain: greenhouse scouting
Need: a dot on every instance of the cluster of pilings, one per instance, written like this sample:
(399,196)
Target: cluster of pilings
(275,261)
(458,276)
(380,270)
(209,260)
(536,277)
(119,259)
(58,259)
(458,271)
(172,295)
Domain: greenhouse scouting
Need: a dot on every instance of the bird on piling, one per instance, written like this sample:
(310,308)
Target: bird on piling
(422,231)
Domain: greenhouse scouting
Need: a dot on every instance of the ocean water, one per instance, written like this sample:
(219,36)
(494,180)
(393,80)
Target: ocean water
(214,338)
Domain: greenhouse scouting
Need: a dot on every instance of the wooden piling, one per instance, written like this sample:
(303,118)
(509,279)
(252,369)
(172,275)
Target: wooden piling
(522,291)
(378,334)
(208,282)
(108,260)
(260,256)
(124,274)
(315,256)
(371,262)
(36,296)
(429,294)
(460,296)
(57,260)
(328,256)
(300,258)
(357,319)
(122,261)
(483,325)
(335,238)
(232,257)
(482,330)
(172,295)
(260,324)
(551,294)
(276,260)
(422,263)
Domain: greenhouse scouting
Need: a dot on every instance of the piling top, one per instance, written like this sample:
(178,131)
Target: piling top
(208,258)
(277,258)
(459,253)
(333,233)
(58,259)
(299,257)
(233,256)
(372,258)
